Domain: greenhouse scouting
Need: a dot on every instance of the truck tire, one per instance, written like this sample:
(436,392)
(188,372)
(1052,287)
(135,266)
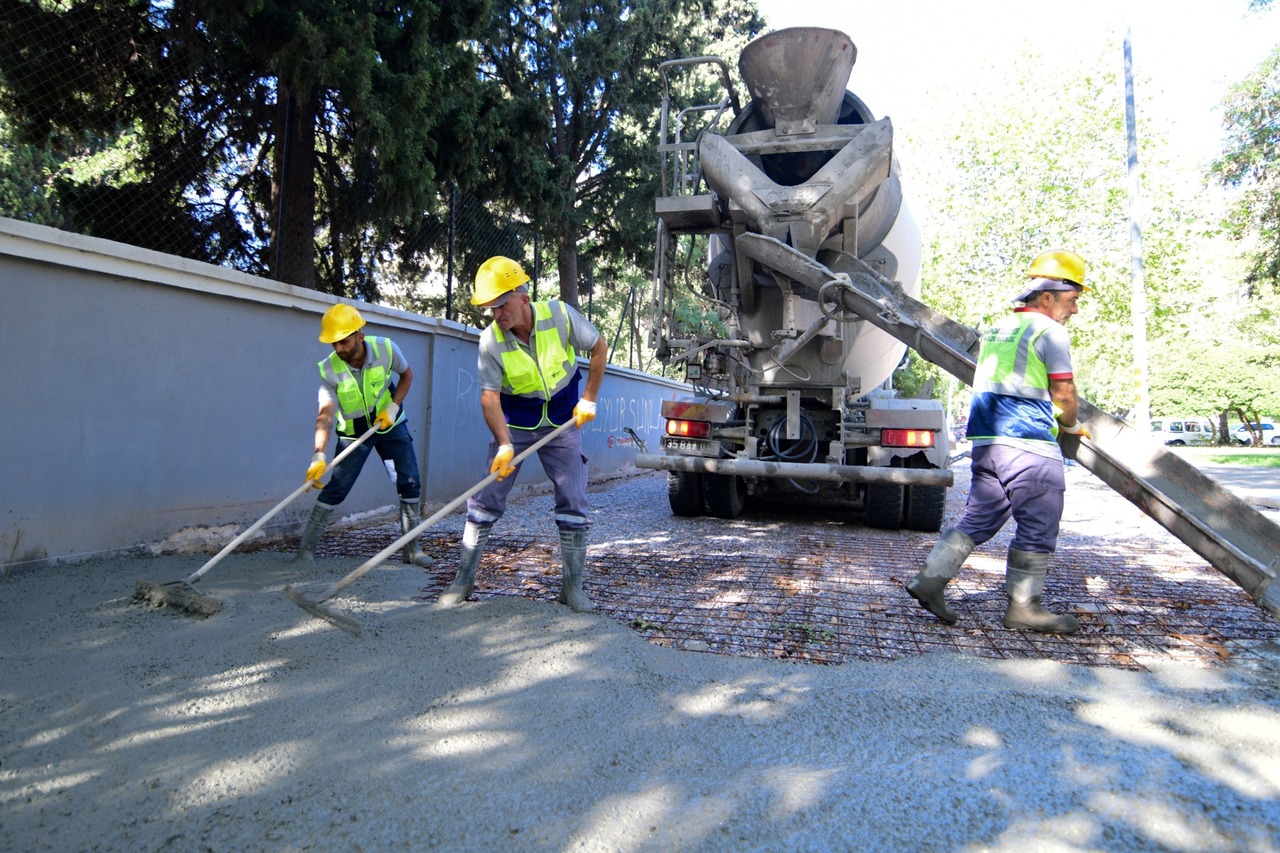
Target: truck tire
(684,492)
(925,508)
(884,505)
(726,494)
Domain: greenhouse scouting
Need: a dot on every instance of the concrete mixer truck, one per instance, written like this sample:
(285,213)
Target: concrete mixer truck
(784,284)
(791,387)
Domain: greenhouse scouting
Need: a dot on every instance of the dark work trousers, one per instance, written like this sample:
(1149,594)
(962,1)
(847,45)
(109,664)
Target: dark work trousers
(1008,482)
(395,448)
(565,465)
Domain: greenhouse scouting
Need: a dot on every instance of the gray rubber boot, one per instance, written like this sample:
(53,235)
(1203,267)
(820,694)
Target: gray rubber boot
(410,517)
(942,564)
(311,534)
(1024,582)
(474,537)
(573,556)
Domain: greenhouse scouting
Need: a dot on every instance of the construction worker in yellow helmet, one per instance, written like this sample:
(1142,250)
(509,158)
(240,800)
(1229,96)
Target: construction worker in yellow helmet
(529,385)
(363,384)
(1024,395)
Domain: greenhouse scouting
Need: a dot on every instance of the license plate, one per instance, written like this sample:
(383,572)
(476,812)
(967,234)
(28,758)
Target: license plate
(687,445)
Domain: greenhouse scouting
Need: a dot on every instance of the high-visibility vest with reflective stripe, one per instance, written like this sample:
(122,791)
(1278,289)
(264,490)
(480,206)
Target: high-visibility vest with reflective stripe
(372,394)
(1011,399)
(540,384)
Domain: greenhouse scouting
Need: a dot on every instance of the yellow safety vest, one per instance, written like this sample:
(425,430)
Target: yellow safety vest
(366,398)
(1011,398)
(550,370)
(1008,363)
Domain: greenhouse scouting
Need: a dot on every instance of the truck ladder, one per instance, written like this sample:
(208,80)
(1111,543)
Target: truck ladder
(1232,536)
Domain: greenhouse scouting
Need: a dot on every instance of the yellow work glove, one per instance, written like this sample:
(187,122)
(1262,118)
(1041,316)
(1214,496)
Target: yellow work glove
(1076,428)
(386,419)
(502,462)
(316,470)
(584,411)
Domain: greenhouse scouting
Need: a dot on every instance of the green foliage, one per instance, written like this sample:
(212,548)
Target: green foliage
(1256,457)
(573,89)
(1216,376)
(415,280)
(615,306)
(1041,163)
(26,172)
(1251,163)
(699,321)
(267,134)
(919,376)
(316,143)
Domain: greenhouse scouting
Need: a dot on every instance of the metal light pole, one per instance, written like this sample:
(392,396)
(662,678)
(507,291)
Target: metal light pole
(1140,415)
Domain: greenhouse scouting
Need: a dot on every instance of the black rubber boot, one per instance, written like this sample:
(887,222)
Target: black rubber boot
(573,556)
(311,534)
(474,537)
(942,564)
(1024,582)
(410,518)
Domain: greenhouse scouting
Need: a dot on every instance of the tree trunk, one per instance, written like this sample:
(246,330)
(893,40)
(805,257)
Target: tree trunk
(567,266)
(293,189)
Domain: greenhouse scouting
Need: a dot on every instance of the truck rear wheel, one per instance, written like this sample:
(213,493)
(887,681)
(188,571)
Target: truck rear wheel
(684,492)
(726,494)
(884,505)
(925,507)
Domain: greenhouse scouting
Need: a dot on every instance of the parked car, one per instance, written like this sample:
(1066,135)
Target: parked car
(1178,432)
(1269,434)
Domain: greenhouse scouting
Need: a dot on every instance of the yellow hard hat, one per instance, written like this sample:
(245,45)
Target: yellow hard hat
(1060,265)
(338,322)
(497,276)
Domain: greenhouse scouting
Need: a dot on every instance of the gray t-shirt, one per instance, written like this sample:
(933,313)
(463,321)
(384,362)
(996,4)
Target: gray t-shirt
(329,393)
(582,337)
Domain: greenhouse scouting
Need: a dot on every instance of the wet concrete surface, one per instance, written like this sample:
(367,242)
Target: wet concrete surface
(815,584)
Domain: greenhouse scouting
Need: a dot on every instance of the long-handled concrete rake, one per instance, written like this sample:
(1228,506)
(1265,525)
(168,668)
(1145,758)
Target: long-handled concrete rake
(183,595)
(351,626)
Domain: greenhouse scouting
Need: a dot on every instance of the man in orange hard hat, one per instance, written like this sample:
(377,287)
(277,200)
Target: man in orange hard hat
(363,383)
(529,377)
(1024,394)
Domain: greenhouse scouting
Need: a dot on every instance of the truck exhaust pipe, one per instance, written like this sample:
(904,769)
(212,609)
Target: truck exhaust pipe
(797,470)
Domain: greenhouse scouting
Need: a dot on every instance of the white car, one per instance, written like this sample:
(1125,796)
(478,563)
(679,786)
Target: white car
(1269,434)
(1179,432)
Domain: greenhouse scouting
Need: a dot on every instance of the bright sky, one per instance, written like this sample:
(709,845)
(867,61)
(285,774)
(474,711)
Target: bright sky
(1185,54)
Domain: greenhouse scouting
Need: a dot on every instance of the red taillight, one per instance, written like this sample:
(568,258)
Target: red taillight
(906,437)
(688,429)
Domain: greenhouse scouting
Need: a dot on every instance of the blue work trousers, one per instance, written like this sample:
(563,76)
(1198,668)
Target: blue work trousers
(395,447)
(566,467)
(1008,482)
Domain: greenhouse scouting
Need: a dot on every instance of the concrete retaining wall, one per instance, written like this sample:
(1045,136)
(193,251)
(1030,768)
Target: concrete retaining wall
(152,401)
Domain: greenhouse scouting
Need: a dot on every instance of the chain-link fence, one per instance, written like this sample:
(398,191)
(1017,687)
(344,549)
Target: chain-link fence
(128,121)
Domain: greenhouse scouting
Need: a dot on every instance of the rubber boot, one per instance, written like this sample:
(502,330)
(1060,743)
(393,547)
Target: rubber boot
(311,533)
(1024,582)
(474,537)
(410,517)
(573,555)
(942,564)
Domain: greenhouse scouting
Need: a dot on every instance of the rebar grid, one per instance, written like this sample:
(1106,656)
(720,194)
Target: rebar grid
(835,594)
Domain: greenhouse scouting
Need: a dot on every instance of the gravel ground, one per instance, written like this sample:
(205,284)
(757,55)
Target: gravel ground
(511,723)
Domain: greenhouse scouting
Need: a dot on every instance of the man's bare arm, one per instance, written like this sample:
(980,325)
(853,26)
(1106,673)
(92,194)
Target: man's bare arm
(1063,392)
